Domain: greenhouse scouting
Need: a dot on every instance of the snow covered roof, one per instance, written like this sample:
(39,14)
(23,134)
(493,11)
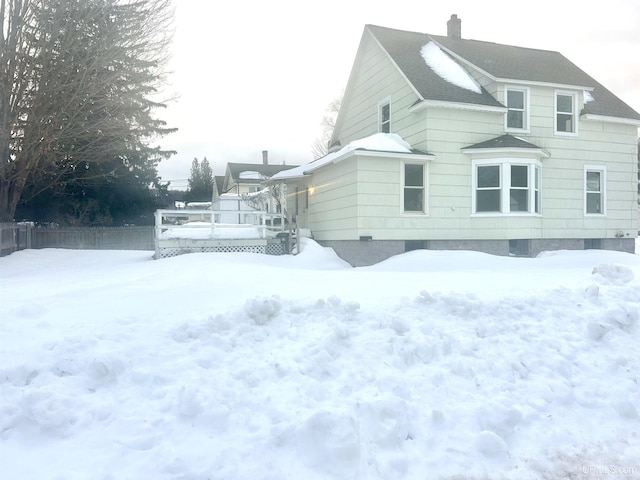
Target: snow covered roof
(497,61)
(238,173)
(250,175)
(406,51)
(379,142)
(447,68)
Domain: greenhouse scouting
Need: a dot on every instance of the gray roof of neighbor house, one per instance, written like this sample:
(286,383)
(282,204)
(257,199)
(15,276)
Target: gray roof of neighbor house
(235,169)
(219,182)
(502,62)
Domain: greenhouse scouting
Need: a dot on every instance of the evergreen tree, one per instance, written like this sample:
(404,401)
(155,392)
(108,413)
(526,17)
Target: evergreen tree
(207,177)
(200,182)
(76,79)
(195,178)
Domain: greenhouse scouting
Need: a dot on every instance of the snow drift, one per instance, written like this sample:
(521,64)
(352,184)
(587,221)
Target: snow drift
(244,366)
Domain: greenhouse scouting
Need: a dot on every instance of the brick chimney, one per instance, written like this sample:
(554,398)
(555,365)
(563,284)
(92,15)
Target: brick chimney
(454,27)
(265,157)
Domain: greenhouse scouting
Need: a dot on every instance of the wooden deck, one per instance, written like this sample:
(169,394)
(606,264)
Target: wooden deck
(189,231)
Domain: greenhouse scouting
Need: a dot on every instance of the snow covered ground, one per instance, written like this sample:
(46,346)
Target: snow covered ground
(430,365)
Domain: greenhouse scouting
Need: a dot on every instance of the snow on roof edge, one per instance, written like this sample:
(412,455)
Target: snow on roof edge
(381,142)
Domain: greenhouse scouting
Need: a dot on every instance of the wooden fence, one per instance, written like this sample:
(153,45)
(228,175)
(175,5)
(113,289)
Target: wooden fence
(18,236)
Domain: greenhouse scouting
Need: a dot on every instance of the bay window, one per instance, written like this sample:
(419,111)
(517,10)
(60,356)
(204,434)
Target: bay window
(506,186)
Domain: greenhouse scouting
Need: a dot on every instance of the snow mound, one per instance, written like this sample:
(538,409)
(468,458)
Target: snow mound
(614,274)
(248,366)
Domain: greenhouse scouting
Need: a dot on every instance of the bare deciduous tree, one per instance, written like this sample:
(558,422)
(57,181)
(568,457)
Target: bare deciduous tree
(320,146)
(269,199)
(76,88)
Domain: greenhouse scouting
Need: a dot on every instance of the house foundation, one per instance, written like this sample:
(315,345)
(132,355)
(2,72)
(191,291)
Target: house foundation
(361,253)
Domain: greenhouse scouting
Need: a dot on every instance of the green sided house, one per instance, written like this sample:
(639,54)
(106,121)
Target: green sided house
(447,143)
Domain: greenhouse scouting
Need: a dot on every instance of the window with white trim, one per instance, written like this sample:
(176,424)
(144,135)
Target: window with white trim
(384,116)
(517,100)
(594,190)
(488,188)
(506,186)
(413,191)
(566,113)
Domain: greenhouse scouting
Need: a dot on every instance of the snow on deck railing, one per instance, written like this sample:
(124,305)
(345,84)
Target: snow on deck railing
(204,224)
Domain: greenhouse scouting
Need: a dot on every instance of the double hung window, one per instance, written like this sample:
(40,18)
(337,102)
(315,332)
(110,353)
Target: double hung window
(594,190)
(517,109)
(488,188)
(565,113)
(414,188)
(384,116)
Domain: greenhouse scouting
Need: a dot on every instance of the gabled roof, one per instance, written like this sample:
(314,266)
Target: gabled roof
(218,183)
(499,62)
(404,49)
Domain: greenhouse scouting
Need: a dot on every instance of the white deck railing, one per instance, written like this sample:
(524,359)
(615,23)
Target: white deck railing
(203,224)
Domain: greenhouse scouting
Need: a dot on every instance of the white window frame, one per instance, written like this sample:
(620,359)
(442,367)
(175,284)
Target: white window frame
(499,188)
(534,187)
(526,102)
(381,105)
(603,189)
(425,179)
(574,112)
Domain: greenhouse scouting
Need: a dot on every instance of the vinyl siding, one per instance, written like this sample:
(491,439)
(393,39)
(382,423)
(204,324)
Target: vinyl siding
(374,78)
(333,204)
(363,194)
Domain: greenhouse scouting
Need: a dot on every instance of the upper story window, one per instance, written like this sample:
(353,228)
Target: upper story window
(414,188)
(506,186)
(566,113)
(384,116)
(517,109)
(594,190)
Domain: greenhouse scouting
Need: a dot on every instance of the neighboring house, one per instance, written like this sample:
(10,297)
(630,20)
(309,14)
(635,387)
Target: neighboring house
(248,178)
(462,144)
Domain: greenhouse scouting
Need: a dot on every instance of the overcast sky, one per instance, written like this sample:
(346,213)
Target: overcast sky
(258,74)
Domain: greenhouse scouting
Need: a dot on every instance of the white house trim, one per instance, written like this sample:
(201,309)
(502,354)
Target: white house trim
(526,91)
(603,189)
(575,114)
(459,106)
(503,152)
(605,118)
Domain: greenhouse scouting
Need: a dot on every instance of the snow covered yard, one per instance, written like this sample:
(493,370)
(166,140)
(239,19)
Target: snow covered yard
(431,365)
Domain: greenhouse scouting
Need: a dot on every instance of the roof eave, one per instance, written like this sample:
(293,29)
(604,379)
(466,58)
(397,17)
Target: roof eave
(538,83)
(457,105)
(609,119)
(402,155)
(351,153)
(539,152)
